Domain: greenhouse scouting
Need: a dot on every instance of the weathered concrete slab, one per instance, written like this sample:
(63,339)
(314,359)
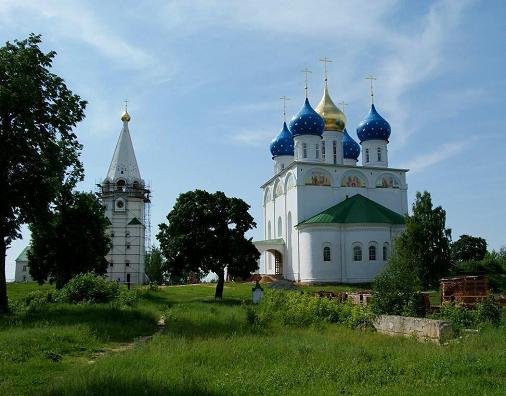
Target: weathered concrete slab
(420,328)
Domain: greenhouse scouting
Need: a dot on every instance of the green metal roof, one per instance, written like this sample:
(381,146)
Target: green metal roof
(23,256)
(357,209)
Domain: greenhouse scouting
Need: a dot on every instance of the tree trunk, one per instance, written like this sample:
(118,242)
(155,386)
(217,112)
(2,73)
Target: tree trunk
(4,305)
(220,284)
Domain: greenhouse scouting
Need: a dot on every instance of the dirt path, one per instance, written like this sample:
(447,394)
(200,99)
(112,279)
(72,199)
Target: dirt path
(129,345)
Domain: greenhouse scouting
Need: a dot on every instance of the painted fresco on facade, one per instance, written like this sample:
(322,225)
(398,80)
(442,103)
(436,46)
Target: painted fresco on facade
(317,178)
(353,180)
(387,181)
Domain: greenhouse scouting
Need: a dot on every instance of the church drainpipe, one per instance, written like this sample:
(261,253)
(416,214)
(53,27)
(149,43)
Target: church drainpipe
(298,255)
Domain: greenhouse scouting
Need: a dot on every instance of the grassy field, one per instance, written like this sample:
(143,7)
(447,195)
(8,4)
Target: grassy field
(207,347)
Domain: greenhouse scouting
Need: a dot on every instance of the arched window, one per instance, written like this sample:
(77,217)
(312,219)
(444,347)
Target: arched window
(372,253)
(367,155)
(334,151)
(385,252)
(120,184)
(357,253)
(317,150)
(379,154)
(326,253)
(280,224)
(323,150)
(304,150)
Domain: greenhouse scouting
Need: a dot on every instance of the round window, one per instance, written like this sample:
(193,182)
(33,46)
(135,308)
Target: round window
(120,204)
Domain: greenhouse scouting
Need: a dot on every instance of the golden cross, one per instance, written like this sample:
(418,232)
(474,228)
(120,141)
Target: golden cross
(342,104)
(284,99)
(371,78)
(306,71)
(126,104)
(325,61)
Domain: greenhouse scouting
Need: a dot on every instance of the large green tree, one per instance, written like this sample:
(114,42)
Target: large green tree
(468,248)
(425,244)
(39,153)
(205,233)
(71,241)
(153,264)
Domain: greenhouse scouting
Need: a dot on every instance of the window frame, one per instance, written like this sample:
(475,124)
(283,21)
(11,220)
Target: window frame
(373,253)
(327,254)
(357,253)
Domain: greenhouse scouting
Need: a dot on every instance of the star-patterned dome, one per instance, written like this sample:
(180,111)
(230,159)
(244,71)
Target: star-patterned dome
(306,122)
(351,149)
(283,143)
(374,127)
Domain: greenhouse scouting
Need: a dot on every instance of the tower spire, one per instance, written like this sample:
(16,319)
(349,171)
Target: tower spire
(306,71)
(371,78)
(125,117)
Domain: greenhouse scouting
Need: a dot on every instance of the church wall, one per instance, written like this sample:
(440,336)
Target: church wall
(128,251)
(312,242)
(22,272)
(365,235)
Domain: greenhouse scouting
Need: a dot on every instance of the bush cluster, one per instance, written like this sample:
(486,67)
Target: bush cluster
(88,288)
(298,309)
(486,312)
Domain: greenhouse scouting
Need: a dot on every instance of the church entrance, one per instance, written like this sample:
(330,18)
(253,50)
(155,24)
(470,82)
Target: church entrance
(278,263)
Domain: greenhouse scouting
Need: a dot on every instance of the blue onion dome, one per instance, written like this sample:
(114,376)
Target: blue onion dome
(374,127)
(306,122)
(283,143)
(351,149)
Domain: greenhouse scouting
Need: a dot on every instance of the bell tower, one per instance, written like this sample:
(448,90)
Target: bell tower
(126,199)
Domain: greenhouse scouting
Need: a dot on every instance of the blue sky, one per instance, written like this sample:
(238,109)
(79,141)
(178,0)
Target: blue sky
(203,80)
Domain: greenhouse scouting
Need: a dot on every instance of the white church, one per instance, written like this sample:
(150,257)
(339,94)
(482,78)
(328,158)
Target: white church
(326,218)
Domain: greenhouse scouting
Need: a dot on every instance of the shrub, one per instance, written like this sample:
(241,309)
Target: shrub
(488,311)
(88,288)
(127,297)
(297,309)
(396,290)
(40,297)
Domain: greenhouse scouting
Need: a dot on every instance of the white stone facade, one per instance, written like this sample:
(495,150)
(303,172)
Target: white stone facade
(124,195)
(291,197)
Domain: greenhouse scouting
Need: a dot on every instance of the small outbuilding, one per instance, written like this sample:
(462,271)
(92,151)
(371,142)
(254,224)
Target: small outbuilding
(22,273)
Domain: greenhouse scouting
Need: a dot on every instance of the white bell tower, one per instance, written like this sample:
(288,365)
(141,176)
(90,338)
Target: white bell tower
(126,198)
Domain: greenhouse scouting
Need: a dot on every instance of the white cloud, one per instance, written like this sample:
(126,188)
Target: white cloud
(252,138)
(446,151)
(74,21)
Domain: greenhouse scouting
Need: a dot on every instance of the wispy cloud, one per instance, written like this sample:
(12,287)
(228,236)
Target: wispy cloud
(77,22)
(251,138)
(446,151)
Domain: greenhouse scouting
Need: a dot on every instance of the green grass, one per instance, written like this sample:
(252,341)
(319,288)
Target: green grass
(208,348)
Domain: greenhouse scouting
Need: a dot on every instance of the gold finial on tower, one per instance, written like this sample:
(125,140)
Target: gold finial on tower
(371,78)
(284,99)
(306,71)
(325,61)
(125,117)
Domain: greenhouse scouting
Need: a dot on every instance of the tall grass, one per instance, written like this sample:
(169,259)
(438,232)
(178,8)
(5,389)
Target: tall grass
(208,347)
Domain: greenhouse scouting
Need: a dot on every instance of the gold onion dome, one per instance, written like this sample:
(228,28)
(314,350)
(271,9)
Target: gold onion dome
(125,116)
(335,120)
